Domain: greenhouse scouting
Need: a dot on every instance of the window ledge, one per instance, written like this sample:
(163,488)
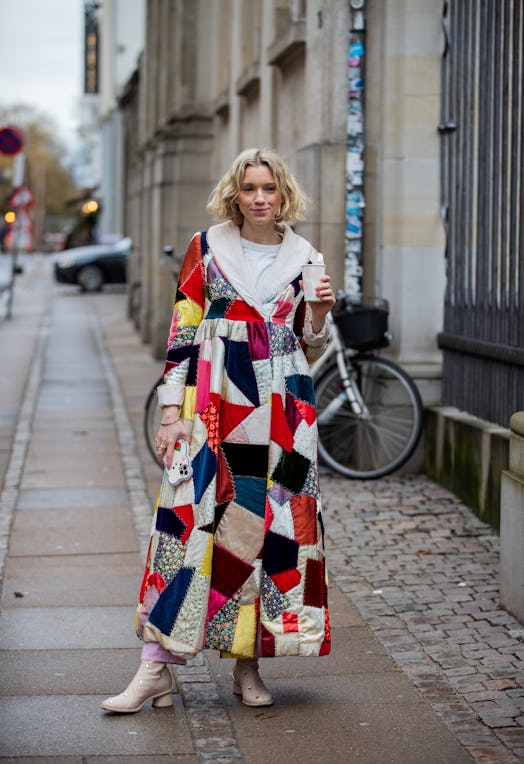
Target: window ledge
(288,46)
(249,81)
(221,106)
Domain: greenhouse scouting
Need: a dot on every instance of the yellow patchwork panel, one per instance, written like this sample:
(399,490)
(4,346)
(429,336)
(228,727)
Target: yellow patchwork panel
(245,632)
(188,405)
(205,570)
(190,313)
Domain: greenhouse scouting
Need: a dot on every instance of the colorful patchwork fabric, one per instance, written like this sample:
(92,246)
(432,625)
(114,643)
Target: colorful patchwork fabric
(236,559)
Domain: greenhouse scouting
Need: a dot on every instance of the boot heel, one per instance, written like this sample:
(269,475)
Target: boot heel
(163,701)
(236,687)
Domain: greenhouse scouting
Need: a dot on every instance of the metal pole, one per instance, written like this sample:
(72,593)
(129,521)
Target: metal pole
(18,179)
(14,264)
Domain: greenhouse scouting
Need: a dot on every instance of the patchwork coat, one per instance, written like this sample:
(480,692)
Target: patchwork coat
(236,559)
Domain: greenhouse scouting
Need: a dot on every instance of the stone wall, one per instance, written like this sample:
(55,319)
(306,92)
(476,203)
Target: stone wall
(512,524)
(468,456)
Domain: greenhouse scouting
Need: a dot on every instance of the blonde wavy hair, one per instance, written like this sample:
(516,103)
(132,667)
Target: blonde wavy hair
(222,200)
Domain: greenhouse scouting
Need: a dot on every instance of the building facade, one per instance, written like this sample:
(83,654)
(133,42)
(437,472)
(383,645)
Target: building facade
(217,76)
(114,41)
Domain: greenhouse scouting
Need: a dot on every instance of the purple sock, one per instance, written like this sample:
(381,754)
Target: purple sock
(152,651)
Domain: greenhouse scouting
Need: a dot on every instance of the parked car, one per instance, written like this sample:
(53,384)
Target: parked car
(93,266)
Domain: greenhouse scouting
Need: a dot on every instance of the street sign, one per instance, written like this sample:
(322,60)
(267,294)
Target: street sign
(11,140)
(22,197)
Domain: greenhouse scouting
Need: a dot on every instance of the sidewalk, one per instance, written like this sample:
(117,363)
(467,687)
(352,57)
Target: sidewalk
(425,669)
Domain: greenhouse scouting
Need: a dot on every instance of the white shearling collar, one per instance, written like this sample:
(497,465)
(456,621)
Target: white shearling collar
(225,245)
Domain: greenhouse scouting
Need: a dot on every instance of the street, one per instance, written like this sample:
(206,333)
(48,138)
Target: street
(425,667)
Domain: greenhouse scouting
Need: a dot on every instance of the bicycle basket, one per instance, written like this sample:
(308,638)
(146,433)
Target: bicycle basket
(362,322)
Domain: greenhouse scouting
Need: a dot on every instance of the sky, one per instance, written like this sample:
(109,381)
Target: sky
(41,53)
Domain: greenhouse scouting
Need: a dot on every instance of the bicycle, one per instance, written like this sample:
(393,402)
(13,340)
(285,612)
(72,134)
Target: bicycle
(152,412)
(369,410)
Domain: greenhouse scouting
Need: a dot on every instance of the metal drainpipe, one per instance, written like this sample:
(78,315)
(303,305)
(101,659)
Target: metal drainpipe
(355,201)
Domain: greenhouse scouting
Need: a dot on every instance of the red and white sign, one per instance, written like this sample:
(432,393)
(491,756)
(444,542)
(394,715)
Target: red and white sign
(22,197)
(11,140)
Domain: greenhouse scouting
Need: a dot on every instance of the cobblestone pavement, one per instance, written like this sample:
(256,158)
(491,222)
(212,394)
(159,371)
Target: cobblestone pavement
(423,572)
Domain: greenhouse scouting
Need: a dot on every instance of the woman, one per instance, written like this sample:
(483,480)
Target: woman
(236,559)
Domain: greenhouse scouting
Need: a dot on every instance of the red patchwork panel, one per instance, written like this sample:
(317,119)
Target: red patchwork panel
(185,513)
(287,580)
(267,643)
(148,581)
(314,589)
(241,311)
(290,621)
(325,647)
(282,312)
(268,517)
(231,414)
(280,430)
(191,279)
(229,571)
(304,511)
(306,410)
(225,489)
(209,418)
(145,577)
(158,582)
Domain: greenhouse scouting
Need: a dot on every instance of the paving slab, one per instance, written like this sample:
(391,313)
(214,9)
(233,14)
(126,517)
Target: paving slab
(65,580)
(40,760)
(183,758)
(68,628)
(81,439)
(64,498)
(79,530)
(67,671)
(81,474)
(73,728)
(342,719)
(358,696)
(82,401)
(99,464)
(341,610)
(8,417)
(353,744)
(98,422)
(358,655)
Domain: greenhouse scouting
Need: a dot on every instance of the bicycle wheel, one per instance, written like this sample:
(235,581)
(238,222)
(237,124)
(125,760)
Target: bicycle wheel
(381,439)
(152,416)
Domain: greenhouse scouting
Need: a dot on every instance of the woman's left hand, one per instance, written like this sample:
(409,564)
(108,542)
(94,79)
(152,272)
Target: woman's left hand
(319,310)
(166,439)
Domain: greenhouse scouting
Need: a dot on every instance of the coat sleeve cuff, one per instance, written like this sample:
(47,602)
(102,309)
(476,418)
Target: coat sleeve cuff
(310,338)
(170,395)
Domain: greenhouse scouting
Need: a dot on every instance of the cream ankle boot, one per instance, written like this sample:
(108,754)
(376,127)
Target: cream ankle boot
(247,682)
(153,681)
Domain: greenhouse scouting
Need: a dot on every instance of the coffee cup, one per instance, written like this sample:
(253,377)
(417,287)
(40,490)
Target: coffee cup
(311,275)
